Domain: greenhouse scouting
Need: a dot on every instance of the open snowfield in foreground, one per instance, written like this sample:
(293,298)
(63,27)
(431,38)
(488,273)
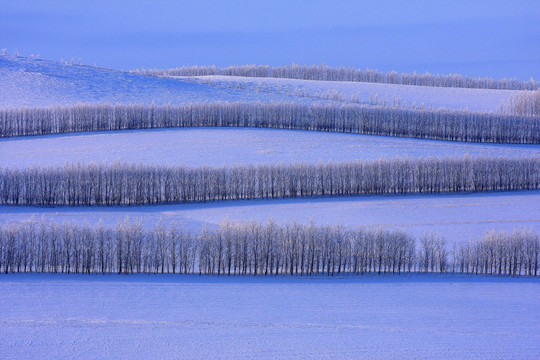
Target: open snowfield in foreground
(190,317)
(232,146)
(456,217)
(406,95)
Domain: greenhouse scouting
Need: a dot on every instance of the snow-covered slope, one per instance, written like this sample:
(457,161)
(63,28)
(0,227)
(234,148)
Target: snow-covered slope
(374,317)
(35,82)
(455,217)
(366,93)
(231,146)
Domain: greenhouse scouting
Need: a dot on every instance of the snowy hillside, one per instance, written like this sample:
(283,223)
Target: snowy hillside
(35,82)
(59,83)
(39,82)
(366,93)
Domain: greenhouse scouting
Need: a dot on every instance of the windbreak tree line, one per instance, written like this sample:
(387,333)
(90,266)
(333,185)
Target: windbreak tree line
(256,249)
(329,73)
(138,184)
(347,118)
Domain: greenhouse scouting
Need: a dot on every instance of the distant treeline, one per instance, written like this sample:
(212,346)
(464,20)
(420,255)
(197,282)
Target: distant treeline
(138,184)
(350,118)
(256,249)
(325,72)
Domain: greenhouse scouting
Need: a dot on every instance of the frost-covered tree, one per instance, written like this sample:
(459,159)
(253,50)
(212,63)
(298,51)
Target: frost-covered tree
(255,249)
(348,118)
(137,184)
(328,73)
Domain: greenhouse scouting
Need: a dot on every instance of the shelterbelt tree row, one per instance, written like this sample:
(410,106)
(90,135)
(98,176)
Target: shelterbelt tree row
(137,184)
(342,73)
(256,249)
(421,123)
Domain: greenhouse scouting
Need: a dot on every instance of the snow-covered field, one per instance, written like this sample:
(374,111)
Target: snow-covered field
(366,93)
(455,217)
(229,146)
(191,317)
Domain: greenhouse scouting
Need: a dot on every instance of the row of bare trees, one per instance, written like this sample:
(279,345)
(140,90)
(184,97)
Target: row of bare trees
(500,253)
(325,72)
(524,103)
(349,118)
(137,184)
(255,249)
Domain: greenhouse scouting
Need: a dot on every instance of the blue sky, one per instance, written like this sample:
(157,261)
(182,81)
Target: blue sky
(491,38)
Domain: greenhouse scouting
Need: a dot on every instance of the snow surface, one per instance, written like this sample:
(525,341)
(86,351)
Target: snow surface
(456,217)
(231,146)
(406,95)
(496,38)
(36,82)
(415,316)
